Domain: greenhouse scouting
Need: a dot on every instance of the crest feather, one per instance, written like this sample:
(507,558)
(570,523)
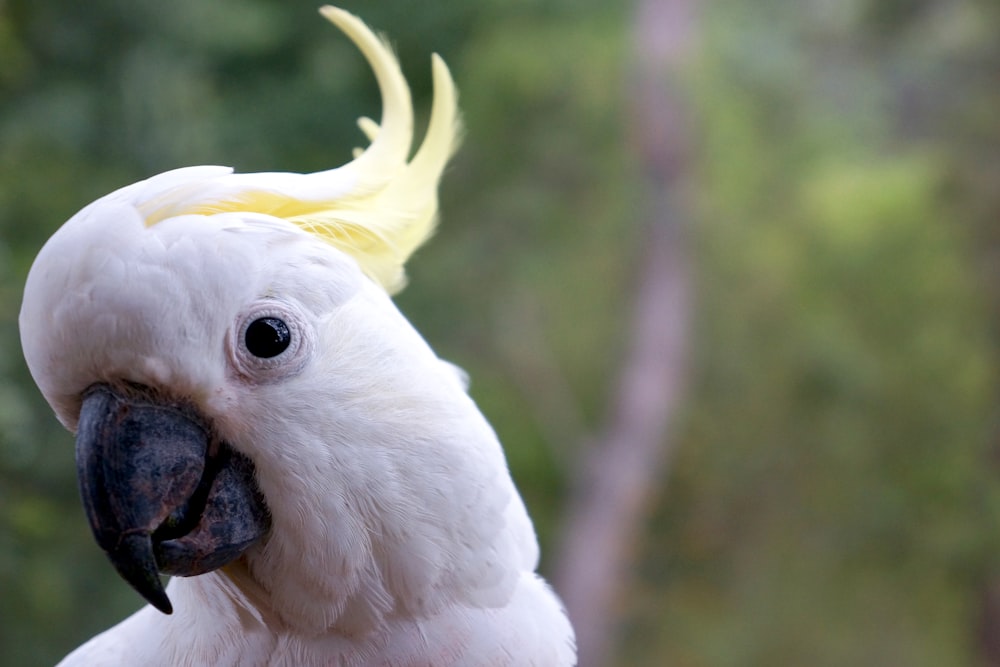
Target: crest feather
(377,208)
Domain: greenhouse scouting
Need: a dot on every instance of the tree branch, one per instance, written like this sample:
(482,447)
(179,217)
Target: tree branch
(620,468)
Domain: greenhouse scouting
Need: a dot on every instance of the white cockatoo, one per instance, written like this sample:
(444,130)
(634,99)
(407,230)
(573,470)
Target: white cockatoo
(253,414)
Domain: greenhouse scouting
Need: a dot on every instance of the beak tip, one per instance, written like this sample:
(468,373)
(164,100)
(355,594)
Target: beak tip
(136,563)
(163,605)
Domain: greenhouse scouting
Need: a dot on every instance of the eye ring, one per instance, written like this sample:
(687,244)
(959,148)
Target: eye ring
(271,340)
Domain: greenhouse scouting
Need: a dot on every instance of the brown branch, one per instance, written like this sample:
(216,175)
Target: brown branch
(622,466)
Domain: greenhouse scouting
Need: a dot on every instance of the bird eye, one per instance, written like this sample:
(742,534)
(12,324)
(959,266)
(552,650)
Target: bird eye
(267,337)
(270,340)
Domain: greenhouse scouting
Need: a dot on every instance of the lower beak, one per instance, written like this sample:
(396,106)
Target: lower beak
(162,494)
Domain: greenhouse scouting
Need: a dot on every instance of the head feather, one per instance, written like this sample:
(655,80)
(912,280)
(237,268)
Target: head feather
(377,208)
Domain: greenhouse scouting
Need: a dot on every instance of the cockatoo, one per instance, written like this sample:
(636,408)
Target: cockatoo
(253,414)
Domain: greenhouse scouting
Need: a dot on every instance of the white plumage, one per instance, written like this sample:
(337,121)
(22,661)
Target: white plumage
(396,534)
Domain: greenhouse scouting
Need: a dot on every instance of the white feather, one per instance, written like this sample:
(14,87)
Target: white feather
(398,537)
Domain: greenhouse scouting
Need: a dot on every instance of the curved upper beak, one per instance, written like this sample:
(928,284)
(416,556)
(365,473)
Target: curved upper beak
(162,494)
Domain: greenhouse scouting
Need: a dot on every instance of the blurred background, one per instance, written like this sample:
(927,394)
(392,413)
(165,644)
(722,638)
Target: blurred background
(724,274)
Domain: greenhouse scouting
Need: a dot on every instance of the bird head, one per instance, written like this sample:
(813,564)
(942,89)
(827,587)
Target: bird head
(246,396)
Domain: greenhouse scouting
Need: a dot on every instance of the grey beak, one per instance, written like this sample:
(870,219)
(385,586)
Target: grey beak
(161,493)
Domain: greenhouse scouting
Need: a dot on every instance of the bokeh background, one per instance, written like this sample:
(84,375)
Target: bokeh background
(827,487)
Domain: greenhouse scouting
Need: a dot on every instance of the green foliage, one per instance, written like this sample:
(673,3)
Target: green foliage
(834,462)
(832,500)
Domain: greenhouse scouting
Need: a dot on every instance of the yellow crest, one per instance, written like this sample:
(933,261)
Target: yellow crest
(377,208)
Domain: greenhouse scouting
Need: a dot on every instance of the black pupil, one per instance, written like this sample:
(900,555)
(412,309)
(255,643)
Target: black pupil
(267,337)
